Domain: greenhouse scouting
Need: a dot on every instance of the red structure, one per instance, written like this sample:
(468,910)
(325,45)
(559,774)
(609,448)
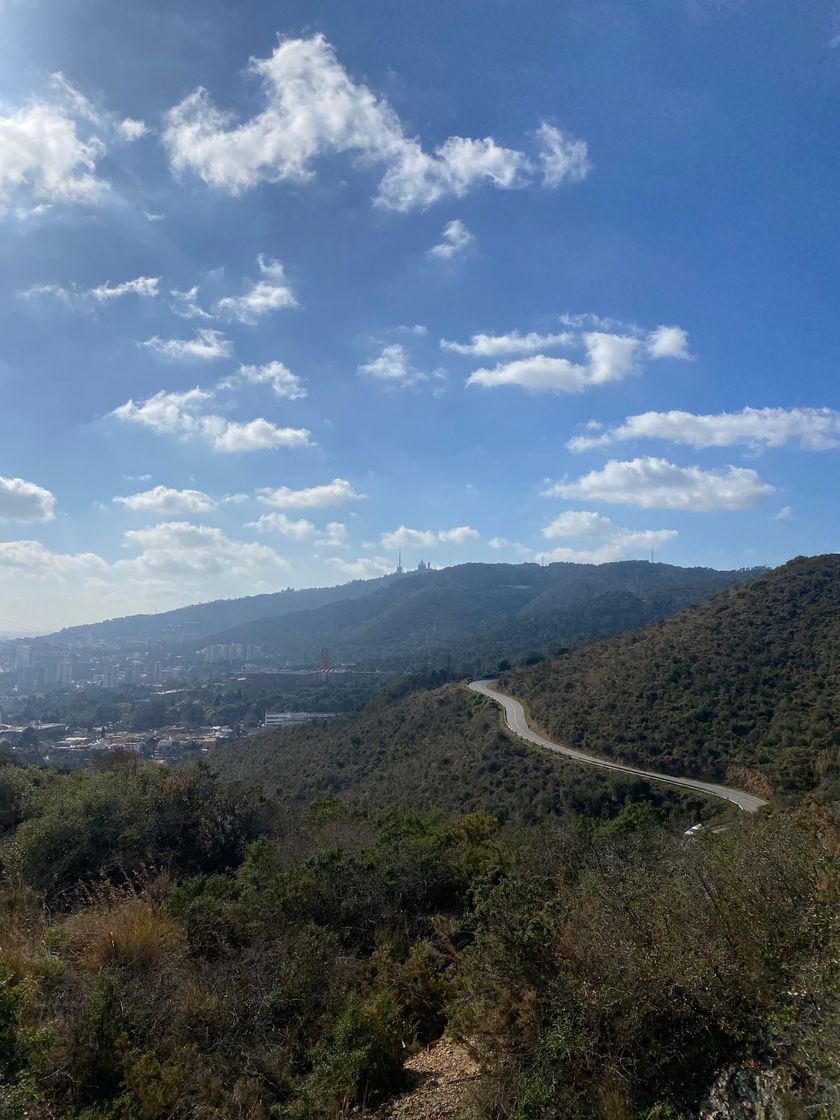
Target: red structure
(325,660)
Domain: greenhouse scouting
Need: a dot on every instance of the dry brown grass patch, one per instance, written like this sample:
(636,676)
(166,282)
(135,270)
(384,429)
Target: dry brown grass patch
(131,933)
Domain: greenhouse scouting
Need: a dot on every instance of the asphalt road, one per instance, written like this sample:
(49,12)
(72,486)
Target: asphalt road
(515,719)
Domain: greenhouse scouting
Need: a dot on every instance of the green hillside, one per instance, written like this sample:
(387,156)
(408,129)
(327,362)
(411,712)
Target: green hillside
(749,679)
(441,750)
(201,619)
(475,614)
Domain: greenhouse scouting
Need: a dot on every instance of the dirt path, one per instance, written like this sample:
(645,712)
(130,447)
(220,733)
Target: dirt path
(445,1079)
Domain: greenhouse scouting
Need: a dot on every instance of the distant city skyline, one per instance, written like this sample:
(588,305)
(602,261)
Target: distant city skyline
(287,294)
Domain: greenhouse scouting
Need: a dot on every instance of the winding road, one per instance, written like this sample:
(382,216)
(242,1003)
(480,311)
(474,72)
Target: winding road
(516,721)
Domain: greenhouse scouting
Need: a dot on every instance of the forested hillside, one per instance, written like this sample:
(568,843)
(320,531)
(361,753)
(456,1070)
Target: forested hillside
(201,619)
(748,679)
(473,615)
(441,750)
(174,948)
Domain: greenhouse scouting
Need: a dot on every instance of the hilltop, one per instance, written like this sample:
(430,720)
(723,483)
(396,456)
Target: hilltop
(747,683)
(473,615)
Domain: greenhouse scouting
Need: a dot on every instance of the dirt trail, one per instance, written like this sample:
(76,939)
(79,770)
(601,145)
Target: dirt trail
(445,1078)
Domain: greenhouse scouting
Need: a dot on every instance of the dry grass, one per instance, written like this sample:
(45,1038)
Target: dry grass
(129,933)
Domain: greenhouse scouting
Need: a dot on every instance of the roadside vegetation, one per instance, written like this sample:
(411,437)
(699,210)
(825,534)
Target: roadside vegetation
(744,686)
(438,749)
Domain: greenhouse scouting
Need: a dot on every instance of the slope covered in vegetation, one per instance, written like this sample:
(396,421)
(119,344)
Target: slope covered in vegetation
(177,949)
(440,750)
(749,679)
(472,615)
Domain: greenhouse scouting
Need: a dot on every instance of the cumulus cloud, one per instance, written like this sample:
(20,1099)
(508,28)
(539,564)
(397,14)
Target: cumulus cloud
(271,293)
(425,538)
(299,530)
(313,109)
(609,358)
(333,535)
(394,368)
(454,240)
(280,379)
(44,159)
(366,567)
(131,129)
(611,353)
(182,415)
(33,559)
(564,159)
(333,493)
(658,484)
(25,502)
(182,548)
(605,542)
(514,342)
(51,148)
(813,429)
(164,499)
(669,342)
(206,346)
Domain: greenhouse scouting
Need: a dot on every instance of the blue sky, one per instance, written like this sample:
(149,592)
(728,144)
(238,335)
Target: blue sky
(487,282)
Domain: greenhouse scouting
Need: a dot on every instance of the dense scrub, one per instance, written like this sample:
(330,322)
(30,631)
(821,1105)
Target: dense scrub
(751,677)
(441,750)
(211,955)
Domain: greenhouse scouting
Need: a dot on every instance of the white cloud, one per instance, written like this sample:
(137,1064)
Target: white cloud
(455,239)
(333,493)
(500,542)
(182,415)
(394,367)
(333,535)
(206,346)
(563,158)
(131,129)
(75,297)
(669,342)
(610,357)
(784,514)
(25,502)
(44,159)
(413,328)
(144,286)
(33,559)
(313,109)
(814,429)
(459,535)
(608,542)
(657,484)
(514,342)
(185,304)
(181,548)
(277,376)
(366,567)
(272,293)
(163,499)
(299,530)
(150,217)
(425,538)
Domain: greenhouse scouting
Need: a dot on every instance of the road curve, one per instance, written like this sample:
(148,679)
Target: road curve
(516,721)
